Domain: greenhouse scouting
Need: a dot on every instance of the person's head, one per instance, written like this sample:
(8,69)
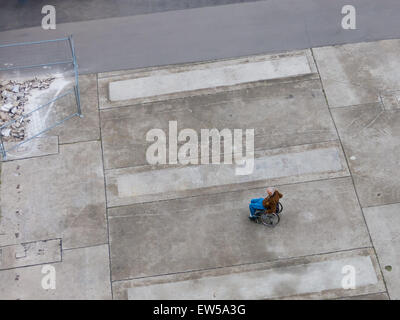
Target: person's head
(270,191)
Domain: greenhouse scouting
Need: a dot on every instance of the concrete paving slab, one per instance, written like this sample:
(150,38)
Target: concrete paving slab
(317,276)
(303,279)
(38,147)
(354,74)
(383,222)
(372,296)
(30,253)
(213,230)
(370,137)
(391,100)
(281,114)
(208,77)
(82,129)
(57,196)
(278,166)
(83,274)
(200,78)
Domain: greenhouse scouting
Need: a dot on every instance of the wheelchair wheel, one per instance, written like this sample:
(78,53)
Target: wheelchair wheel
(279,208)
(270,219)
(259,212)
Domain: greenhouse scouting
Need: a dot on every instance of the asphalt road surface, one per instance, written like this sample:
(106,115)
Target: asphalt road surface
(151,35)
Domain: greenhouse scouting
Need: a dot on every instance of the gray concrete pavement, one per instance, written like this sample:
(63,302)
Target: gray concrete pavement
(232,281)
(372,296)
(124,129)
(212,231)
(358,80)
(370,134)
(76,279)
(260,281)
(80,129)
(42,199)
(208,33)
(208,76)
(30,253)
(359,73)
(127,229)
(301,60)
(383,222)
(278,166)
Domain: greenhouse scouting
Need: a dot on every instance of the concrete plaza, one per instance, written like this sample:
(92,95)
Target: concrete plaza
(326,133)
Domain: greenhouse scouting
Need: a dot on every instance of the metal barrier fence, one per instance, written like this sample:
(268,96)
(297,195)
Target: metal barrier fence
(34,59)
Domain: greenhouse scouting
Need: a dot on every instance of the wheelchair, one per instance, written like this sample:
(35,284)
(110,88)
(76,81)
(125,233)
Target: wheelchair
(269,219)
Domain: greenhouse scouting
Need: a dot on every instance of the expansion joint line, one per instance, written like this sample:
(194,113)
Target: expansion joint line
(347,162)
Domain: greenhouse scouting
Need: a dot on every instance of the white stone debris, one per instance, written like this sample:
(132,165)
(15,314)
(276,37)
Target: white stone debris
(13,97)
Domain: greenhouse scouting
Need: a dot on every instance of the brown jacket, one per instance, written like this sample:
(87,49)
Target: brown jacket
(271,202)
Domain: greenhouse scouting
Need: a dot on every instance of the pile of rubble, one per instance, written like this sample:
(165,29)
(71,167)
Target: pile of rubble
(13,97)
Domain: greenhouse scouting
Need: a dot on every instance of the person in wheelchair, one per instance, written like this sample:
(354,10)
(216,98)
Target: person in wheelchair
(269,203)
